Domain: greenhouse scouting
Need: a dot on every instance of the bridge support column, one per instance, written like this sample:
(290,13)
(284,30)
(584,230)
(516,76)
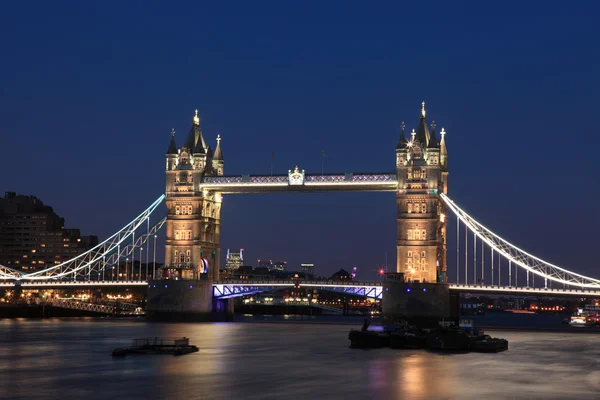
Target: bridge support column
(179,300)
(420,304)
(186,301)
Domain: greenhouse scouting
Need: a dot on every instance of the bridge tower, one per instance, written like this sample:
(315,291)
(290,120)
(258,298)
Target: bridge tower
(422,168)
(193,228)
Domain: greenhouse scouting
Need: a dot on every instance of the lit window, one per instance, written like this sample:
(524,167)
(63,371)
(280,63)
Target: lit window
(422,254)
(423,208)
(410,207)
(177,210)
(189,210)
(423,234)
(423,264)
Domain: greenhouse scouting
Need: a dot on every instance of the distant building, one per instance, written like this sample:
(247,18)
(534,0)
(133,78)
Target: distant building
(341,275)
(279,265)
(33,236)
(234,260)
(308,269)
(268,264)
(272,266)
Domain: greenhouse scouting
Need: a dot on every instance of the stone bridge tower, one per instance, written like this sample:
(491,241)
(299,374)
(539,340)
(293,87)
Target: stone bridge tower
(193,228)
(422,168)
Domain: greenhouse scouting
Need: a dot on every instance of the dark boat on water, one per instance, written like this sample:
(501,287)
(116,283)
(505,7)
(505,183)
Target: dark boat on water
(157,345)
(447,337)
(366,339)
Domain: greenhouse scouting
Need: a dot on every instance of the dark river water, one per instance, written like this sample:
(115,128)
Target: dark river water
(294,359)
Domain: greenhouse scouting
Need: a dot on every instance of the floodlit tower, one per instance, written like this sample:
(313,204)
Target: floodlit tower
(421,165)
(193,228)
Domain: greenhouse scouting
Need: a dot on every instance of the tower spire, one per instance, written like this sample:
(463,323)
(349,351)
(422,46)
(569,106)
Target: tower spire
(172,146)
(218,152)
(422,129)
(433,142)
(402,142)
(443,150)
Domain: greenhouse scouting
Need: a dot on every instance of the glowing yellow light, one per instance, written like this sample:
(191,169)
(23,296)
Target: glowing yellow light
(442,218)
(196,119)
(423,109)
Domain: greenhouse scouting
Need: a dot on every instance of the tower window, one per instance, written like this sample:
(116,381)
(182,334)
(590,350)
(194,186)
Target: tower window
(410,208)
(422,254)
(183,235)
(423,235)
(177,210)
(423,208)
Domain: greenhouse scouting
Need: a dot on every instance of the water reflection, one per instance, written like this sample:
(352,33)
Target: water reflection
(57,359)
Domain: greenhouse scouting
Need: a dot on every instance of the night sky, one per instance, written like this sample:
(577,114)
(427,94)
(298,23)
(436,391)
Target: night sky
(91,90)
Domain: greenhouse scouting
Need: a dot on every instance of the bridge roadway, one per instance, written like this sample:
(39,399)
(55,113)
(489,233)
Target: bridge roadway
(229,289)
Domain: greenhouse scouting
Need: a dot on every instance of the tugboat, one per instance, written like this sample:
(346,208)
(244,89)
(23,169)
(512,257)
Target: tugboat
(157,345)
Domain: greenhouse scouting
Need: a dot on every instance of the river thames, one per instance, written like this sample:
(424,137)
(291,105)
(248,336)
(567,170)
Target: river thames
(70,359)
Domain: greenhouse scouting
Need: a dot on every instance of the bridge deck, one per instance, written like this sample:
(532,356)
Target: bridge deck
(366,288)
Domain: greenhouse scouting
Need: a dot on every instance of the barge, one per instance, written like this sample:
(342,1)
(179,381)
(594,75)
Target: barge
(157,345)
(446,337)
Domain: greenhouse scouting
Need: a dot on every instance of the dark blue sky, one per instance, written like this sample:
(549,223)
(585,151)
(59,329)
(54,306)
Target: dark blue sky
(91,90)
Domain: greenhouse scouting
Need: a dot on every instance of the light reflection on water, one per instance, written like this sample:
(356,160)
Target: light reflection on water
(70,359)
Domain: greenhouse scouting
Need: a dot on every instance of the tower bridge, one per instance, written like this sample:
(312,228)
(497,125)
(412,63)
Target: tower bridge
(189,281)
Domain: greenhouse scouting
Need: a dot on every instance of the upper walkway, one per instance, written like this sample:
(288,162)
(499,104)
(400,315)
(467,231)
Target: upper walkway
(297,181)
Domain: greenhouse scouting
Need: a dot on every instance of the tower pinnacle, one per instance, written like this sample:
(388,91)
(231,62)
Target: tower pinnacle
(218,152)
(423,110)
(402,143)
(172,146)
(196,119)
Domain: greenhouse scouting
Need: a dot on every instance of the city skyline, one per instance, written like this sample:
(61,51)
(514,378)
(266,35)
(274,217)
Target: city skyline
(102,132)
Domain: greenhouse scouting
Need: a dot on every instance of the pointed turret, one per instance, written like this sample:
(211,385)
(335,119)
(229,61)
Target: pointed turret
(443,150)
(422,130)
(172,146)
(402,142)
(172,153)
(433,142)
(218,153)
(195,141)
(217,162)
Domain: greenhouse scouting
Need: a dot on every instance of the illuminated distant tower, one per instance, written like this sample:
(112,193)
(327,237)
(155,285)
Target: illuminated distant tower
(422,168)
(193,228)
(234,260)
